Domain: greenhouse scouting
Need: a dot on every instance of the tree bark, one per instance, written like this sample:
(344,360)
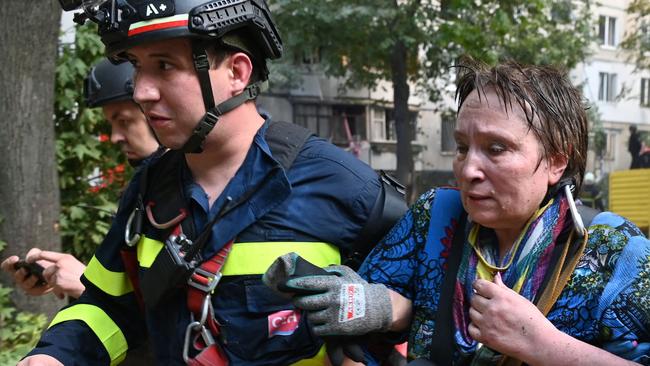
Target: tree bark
(403,125)
(29,191)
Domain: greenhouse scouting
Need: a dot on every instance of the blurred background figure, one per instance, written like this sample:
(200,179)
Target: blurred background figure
(634,146)
(591,195)
(110,87)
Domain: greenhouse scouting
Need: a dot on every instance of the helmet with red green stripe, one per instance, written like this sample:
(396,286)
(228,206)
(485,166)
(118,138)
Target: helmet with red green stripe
(243,25)
(134,22)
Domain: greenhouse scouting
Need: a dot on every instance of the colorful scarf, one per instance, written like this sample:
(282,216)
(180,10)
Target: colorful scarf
(522,269)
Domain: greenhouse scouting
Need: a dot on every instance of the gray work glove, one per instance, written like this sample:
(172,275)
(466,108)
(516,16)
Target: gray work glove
(343,303)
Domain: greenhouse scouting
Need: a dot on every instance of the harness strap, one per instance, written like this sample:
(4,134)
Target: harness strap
(209,356)
(130,260)
(201,284)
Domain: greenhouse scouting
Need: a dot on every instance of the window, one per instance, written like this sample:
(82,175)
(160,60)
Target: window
(348,124)
(645,92)
(314,117)
(610,144)
(383,124)
(447,127)
(607,87)
(378,123)
(607,31)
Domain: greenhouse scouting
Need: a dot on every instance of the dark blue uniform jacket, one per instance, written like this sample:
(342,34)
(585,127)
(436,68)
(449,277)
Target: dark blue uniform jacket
(326,196)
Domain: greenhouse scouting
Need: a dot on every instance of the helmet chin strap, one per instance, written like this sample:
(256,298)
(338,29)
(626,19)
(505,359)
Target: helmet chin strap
(194,144)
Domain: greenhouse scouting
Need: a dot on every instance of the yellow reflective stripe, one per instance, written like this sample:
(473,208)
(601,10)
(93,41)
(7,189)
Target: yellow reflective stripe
(148,250)
(104,328)
(318,360)
(113,283)
(255,258)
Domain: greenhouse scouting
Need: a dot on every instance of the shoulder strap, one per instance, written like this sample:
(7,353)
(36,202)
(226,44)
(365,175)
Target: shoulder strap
(285,141)
(163,195)
(388,208)
(442,339)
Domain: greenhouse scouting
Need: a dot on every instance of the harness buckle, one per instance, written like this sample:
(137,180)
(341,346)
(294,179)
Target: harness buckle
(204,281)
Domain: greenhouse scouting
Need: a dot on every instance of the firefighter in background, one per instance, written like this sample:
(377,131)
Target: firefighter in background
(198,226)
(110,87)
(590,194)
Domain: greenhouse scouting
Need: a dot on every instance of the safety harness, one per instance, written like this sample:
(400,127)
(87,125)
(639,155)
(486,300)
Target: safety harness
(178,262)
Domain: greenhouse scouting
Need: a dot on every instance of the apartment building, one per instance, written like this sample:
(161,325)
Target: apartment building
(361,121)
(620,93)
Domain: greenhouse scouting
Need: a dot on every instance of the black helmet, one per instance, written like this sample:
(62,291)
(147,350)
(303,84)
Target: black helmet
(242,24)
(108,83)
(127,23)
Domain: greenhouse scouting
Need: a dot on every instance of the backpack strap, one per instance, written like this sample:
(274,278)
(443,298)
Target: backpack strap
(285,141)
(442,339)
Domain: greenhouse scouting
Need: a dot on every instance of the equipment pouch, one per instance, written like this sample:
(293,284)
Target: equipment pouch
(167,274)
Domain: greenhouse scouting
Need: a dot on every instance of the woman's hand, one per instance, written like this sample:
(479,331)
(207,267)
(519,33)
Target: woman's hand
(506,321)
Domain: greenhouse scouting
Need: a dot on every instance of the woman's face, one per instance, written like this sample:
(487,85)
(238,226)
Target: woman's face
(499,163)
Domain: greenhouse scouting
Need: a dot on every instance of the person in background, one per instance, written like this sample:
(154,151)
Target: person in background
(109,87)
(634,147)
(500,270)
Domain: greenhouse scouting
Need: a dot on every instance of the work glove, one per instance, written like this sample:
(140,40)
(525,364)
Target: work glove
(343,304)
(291,266)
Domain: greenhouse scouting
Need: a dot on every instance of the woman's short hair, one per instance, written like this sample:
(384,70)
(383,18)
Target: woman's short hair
(553,107)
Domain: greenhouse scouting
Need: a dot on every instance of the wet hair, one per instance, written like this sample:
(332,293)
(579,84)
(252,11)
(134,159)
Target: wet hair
(554,109)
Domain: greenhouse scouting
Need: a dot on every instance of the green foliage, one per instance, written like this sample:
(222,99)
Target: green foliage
(19,331)
(366,41)
(357,38)
(637,42)
(91,170)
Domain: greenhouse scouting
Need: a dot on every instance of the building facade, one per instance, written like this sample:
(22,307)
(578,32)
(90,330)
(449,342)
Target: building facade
(620,94)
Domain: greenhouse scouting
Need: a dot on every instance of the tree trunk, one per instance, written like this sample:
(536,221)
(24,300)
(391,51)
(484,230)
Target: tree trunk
(403,124)
(29,191)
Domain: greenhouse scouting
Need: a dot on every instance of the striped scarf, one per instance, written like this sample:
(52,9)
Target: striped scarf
(522,269)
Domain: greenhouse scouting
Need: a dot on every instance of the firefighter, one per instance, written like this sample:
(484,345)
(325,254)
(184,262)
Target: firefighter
(110,87)
(197,227)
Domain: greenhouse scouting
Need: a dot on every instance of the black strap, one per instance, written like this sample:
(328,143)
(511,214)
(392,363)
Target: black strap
(388,208)
(442,339)
(211,117)
(202,67)
(285,141)
(212,114)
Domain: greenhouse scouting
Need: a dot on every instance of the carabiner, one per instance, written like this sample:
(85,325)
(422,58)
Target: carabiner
(193,326)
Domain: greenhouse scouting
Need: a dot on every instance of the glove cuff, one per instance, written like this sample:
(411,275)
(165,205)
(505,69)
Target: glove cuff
(380,308)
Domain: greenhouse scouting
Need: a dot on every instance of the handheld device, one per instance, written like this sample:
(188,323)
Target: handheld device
(304,268)
(33,269)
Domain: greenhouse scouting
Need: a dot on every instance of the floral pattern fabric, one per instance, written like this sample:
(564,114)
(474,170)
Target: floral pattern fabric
(606,302)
